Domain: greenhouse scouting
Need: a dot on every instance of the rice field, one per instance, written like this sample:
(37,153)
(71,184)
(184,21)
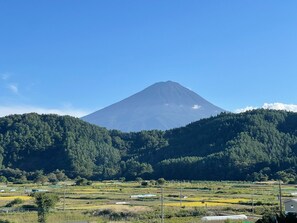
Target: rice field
(10,198)
(128,201)
(209,202)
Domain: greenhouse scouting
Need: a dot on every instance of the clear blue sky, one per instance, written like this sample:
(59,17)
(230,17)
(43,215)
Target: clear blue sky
(82,55)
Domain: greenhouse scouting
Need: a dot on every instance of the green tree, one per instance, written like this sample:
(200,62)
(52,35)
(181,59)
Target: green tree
(3,179)
(52,178)
(44,202)
(60,175)
(41,179)
(161,181)
(138,179)
(82,182)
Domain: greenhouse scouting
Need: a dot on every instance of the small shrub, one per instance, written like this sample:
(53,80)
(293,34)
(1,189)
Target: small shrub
(161,181)
(29,207)
(14,202)
(144,183)
(5,221)
(191,212)
(138,179)
(173,195)
(198,211)
(113,215)
(122,179)
(82,182)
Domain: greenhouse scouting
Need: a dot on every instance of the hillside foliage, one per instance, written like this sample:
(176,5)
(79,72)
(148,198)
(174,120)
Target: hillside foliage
(255,145)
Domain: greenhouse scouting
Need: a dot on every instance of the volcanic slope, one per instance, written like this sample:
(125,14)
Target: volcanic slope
(161,106)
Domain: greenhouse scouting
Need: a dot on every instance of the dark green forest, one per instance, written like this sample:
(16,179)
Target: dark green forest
(255,145)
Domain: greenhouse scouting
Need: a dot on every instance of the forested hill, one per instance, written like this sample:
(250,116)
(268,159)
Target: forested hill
(33,142)
(256,145)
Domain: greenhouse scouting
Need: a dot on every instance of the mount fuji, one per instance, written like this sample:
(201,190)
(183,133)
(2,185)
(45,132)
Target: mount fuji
(162,106)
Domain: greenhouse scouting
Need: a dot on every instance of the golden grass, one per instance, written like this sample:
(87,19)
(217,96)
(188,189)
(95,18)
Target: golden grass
(232,200)
(93,191)
(126,208)
(204,202)
(220,200)
(85,192)
(7,198)
(197,204)
(83,207)
(117,208)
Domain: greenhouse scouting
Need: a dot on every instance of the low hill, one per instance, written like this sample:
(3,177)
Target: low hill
(33,142)
(256,145)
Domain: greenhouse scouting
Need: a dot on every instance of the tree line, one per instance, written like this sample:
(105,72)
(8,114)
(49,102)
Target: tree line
(255,145)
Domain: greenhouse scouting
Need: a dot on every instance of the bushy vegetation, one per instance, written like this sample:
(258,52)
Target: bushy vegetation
(82,182)
(44,202)
(5,221)
(256,145)
(14,202)
(276,218)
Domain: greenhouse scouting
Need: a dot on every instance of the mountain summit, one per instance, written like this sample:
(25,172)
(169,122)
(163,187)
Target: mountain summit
(164,105)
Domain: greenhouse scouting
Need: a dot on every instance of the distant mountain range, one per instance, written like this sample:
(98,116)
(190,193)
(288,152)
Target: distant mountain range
(161,106)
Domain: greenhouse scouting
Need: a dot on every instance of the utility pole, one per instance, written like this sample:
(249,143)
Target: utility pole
(64,197)
(180,195)
(253,203)
(280,198)
(253,194)
(162,205)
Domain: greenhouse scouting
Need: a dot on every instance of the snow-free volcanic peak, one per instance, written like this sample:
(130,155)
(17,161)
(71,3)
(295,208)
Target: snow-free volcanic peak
(163,105)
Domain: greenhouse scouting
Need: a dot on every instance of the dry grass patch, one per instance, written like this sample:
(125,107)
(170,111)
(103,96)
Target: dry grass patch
(10,198)
(126,208)
(208,202)
(220,200)
(197,204)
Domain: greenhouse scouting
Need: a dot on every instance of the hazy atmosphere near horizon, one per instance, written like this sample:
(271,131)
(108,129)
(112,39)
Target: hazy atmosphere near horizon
(75,57)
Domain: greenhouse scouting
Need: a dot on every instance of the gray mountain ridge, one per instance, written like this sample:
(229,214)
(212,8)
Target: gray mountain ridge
(161,106)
